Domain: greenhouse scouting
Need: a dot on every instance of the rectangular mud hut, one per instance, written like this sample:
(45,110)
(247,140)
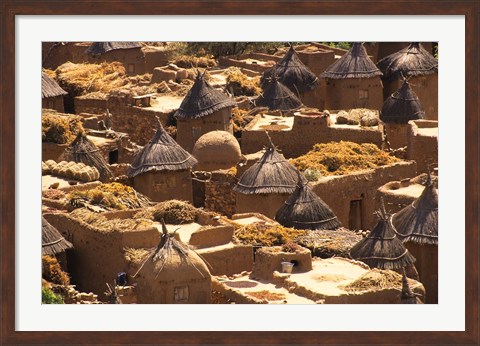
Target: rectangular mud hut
(203,109)
(417,226)
(52,94)
(353,81)
(128,53)
(162,169)
(421,67)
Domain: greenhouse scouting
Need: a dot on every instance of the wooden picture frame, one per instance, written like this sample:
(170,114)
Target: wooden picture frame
(10,9)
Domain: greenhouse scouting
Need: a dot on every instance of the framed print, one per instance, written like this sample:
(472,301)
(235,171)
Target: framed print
(193,156)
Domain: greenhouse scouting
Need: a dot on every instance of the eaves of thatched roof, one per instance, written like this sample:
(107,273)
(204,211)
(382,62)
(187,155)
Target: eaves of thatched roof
(402,106)
(104,47)
(305,210)
(202,99)
(50,87)
(418,222)
(292,72)
(353,64)
(277,96)
(413,60)
(382,248)
(52,241)
(161,153)
(271,174)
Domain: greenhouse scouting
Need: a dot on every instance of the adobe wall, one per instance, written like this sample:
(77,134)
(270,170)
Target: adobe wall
(189,130)
(394,202)
(426,88)
(269,259)
(208,236)
(199,291)
(345,93)
(228,259)
(97,256)
(266,204)
(52,151)
(339,191)
(422,148)
(90,105)
(62,53)
(237,61)
(219,194)
(397,135)
(55,103)
(305,133)
(155,57)
(165,185)
(317,61)
(314,98)
(427,267)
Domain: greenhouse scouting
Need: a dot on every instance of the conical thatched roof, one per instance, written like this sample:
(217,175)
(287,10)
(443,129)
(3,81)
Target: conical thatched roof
(353,64)
(381,248)
(293,73)
(52,241)
(413,60)
(305,210)
(271,174)
(84,150)
(103,47)
(50,87)
(202,99)
(418,222)
(161,153)
(402,106)
(277,96)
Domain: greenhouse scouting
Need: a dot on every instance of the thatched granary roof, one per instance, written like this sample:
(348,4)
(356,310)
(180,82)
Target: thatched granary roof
(418,222)
(271,174)
(216,150)
(402,106)
(381,248)
(161,153)
(305,210)
(413,60)
(292,72)
(353,64)
(277,96)
(97,48)
(84,150)
(52,241)
(202,99)
(50,87)
(171,261)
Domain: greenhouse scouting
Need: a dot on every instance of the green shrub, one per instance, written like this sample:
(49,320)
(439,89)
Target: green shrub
(48,297)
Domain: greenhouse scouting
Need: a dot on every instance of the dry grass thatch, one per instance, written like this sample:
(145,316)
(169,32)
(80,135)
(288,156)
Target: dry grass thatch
(353,64)
(259,234)
(292,73)
(271,174)
(402,106)
(327,243)
(418,222)
(277,96)
(80,79)
(239,84)
(109,196)
(59,128)
(50,87)
(52,272)
(98,48)
(338,158)
(202,99)
(172,212)
(162,153)
(84,150)
(52,241)
(266,295)
(190,61)
(305,210)
(413,60)
(101,223)
(381,248)
(375,280)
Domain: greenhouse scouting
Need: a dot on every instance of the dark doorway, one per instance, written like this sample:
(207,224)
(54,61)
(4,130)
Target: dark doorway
(113,157)
(355,221)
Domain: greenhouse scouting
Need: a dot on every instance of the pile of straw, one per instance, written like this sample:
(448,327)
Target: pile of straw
(59,128)
(262,235)
(239,84)
(173,212)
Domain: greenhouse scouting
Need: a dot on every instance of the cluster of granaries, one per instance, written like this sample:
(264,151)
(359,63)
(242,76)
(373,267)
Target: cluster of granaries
(162,169)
